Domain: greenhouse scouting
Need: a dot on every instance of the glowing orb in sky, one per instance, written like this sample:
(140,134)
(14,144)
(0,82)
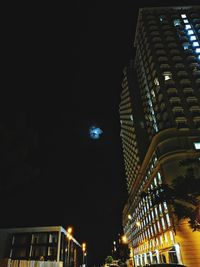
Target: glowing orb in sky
(95,132)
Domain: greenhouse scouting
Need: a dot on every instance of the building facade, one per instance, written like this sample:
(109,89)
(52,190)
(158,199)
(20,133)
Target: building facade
(38,246)
(160,128)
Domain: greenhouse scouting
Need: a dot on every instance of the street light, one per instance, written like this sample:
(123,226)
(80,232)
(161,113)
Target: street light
(84,251)
(124,239)
(69,236)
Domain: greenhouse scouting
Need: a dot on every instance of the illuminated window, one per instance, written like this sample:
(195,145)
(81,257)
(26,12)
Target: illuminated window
(163,223)
(168,220)
(186,46)
(155,182)
(167,75)
(185,21)
(197,50)
(156,211)
(188,26)
(151,230)
(158,224)
(160,208)
(190,32)
(193,38)
(177,22)
(159,178)
(149,233)
(195,44)
(165,206)
(152,214)
(156,81)
(197,145)
(183,16)
(149,218)
(155,229)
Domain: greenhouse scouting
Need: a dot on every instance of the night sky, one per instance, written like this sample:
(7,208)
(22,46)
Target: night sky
(62,74)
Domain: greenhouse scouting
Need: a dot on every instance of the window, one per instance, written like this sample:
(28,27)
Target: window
(190,32)
(168,220)
(197,145)
(177,22)
(185,46)
(195,44)
(183,16)
(185,21)
(197,50)
(193,38)
(156,81)
(167,75)
(163,223)
(187,26)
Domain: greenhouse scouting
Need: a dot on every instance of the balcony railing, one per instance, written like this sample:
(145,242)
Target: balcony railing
(29,263)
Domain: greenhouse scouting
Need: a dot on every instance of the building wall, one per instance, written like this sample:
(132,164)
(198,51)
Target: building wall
(166,71)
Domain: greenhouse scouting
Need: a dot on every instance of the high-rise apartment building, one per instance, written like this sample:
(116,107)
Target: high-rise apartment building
(160,128)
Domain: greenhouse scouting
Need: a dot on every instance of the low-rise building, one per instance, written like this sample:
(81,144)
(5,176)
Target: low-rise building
(38,246)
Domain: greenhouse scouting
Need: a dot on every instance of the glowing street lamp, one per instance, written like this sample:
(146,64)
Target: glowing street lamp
(124,239)
(84,251)
(69,236)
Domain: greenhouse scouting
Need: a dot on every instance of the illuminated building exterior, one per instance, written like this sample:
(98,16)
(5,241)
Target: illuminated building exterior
(160,126)
(38,246)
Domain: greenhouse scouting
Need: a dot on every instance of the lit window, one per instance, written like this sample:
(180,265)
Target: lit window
(159,178)
(171,236)
(193,38)
(168,220)
(190,32)
(199,57)
(154,226)
(149,218)
(156,211)
(183,16)
(160,208)
(195,44)
(185,21)
(197,50)
(185,46)
(155,182)
(188,26)
(165,206)
(167,75)
(197,145)
(151,230)
(177,22)
(158,224)
(152,214)
(163,223)
(156,81)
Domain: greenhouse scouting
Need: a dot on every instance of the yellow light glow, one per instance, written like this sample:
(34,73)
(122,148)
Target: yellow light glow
(138,223)
(69,236)
(84,246)
(124,239)
(129,217)
(69,230)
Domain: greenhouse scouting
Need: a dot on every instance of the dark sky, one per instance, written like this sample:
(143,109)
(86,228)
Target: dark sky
(62,74)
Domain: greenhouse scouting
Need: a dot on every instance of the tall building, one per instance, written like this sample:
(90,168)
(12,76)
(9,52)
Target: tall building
(160,128)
